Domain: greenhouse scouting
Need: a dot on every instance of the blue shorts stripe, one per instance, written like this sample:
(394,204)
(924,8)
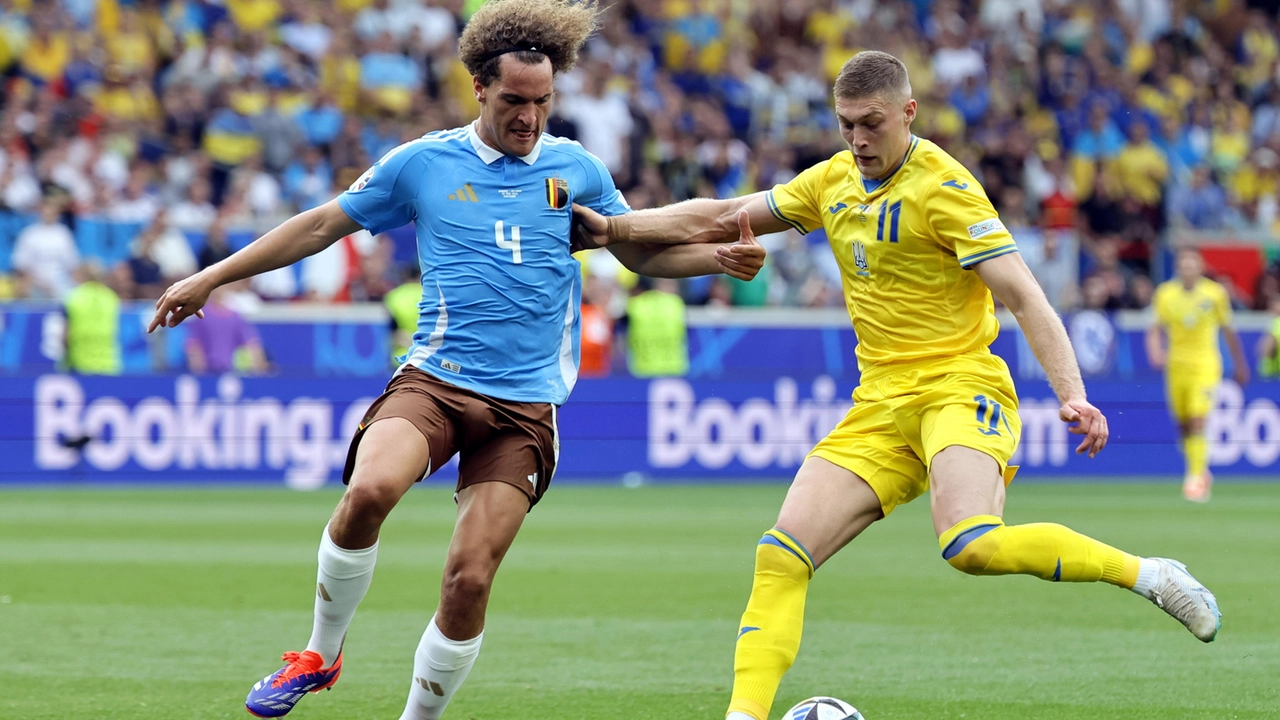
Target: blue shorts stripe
(962,540)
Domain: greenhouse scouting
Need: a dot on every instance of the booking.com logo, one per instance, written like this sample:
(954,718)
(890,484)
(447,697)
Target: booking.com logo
(224,432)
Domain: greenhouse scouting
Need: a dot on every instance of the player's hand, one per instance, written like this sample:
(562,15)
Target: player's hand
(744,258)
(182,300)
(1157,360)
(589,229)
(1086,420)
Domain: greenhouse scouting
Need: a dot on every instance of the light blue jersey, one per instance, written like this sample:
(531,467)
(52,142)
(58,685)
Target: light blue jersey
(500,291)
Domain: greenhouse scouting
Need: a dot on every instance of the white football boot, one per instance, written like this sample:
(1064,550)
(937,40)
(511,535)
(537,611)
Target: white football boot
(1182,596)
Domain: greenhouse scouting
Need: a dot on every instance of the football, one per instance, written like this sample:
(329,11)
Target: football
(823,708)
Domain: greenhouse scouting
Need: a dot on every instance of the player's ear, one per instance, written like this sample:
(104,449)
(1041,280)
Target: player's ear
(478,88)
(909,110)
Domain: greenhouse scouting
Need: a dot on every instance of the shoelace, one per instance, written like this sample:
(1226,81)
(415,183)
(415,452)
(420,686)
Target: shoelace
(1181,605)
(294,667)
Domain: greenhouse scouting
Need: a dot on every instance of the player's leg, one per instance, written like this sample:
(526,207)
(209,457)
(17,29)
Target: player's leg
(489,516)
(509,453)
(391,456)
(967,500)
(1199,396)
(967,497)
(826,507)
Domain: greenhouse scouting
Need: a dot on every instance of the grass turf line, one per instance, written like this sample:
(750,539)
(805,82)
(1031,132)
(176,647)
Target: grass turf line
(624,603)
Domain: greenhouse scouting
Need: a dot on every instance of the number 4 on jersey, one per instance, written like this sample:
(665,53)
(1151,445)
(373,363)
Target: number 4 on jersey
(513,244)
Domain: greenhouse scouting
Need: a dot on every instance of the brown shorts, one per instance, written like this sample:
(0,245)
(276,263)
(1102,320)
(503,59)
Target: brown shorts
(499,441)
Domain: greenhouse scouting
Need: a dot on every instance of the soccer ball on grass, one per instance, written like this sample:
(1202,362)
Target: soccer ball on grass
(823,708)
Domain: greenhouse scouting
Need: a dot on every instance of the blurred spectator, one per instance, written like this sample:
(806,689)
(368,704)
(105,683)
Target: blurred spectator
(223,341)
(46,255)
(308,180)
(215,248)
(93,325)
(597,329)
(1142,167)
(1200,203)
(657,341)
(196,212)
(166,248)
(602,118)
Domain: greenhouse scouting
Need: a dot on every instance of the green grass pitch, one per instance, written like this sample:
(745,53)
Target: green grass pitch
(623,603)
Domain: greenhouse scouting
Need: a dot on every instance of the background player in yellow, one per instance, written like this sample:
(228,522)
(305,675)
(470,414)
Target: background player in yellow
(1190,310)
(921,250)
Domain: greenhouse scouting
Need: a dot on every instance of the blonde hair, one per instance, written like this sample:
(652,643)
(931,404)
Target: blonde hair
(872,72)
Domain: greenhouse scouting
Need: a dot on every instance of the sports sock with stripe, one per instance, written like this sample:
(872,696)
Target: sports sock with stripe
(984,545)
(341,583)
(769,634)
(439,668)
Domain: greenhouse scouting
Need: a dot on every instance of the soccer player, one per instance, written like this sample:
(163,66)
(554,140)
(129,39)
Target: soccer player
(1190,309)
(921,251)
(496,351)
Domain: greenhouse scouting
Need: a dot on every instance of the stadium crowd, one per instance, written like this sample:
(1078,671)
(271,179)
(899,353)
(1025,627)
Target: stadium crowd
(143,139)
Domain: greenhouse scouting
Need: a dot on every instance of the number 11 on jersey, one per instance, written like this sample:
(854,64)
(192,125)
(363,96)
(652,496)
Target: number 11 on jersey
(513,244)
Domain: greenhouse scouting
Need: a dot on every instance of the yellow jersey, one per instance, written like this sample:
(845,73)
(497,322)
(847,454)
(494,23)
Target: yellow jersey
(906,246)
(1192,319)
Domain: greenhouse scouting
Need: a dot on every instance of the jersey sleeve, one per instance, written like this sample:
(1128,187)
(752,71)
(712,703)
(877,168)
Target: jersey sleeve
(382,198)
(799,203)
(600,193)
(965,222)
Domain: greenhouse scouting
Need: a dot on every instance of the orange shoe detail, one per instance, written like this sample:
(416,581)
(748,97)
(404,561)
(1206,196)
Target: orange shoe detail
(305,663)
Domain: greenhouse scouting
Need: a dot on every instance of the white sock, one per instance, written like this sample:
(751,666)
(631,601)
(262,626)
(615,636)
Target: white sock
(1148,576)
(341,582)
(439,667)
(739,716)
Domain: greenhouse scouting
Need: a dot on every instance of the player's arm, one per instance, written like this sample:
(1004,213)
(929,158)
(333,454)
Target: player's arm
(1156,354)
(700,220)
(1237,354)
(302,235)
(742,260)
(1012,282)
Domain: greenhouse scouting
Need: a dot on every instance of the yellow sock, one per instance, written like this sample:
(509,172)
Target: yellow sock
(1197,449)
(984,545)
(769,635)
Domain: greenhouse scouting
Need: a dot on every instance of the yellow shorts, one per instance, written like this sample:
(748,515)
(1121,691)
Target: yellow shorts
(1191,392)
(899,421)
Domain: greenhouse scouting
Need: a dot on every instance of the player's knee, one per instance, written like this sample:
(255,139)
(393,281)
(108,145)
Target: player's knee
(370,501)
(466,584)
(972,544)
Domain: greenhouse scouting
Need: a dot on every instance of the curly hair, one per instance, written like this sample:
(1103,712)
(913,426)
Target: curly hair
(528,29)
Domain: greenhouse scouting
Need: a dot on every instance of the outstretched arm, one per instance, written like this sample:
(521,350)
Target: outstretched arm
(1012,282)
(700,220)
(302,235)
(742,260)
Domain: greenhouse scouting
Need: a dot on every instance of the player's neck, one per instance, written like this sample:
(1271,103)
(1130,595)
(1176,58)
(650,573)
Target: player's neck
(902,157)
(1191,285)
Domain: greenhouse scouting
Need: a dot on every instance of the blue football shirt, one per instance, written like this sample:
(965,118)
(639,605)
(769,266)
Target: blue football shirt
(500,291)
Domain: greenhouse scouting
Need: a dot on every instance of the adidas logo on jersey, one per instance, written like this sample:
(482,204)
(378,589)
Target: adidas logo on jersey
(465,194)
